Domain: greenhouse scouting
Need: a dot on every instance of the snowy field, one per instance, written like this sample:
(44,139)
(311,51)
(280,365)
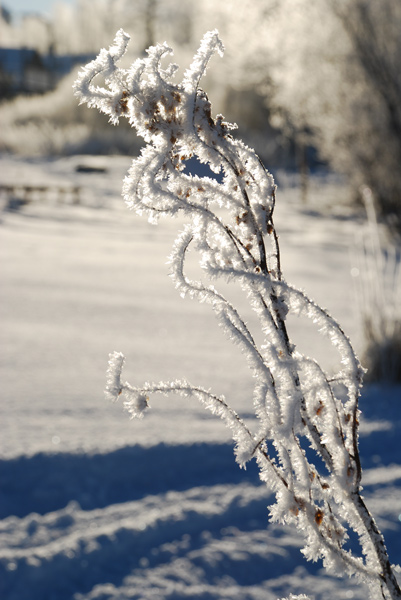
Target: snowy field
(95,506)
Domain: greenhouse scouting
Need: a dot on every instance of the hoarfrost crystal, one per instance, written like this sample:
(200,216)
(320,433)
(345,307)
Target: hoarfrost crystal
(113,376)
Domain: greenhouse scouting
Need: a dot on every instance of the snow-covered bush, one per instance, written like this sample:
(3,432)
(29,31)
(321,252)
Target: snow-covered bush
(52,124)
(337,83)
(378,284)
(306,444)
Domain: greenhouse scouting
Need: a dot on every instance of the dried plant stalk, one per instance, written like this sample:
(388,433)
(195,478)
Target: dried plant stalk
(306,445)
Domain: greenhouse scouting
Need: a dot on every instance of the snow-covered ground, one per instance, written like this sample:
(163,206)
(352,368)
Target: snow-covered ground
(97,506)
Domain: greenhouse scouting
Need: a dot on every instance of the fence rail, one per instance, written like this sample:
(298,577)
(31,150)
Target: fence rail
(22,193)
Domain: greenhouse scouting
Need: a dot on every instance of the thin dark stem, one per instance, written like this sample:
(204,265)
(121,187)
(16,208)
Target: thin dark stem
(387,574)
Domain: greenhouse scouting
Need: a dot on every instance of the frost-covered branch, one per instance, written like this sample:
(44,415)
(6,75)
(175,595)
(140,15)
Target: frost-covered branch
(306,444)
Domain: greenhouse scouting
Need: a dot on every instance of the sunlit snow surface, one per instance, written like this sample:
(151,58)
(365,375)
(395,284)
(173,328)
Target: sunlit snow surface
(97,506)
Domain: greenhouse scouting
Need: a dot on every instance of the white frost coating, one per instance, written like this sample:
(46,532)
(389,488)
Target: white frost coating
(306,444)
(113,376)
(136,402)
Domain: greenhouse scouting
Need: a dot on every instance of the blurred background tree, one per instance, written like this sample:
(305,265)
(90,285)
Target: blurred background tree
(337,80)
(312,83)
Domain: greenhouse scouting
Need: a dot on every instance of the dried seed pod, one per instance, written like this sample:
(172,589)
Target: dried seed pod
(319,514)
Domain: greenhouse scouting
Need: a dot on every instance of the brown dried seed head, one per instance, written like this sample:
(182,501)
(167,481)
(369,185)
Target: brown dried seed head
(123,103)
(242,218)
(319,514)
(320,408)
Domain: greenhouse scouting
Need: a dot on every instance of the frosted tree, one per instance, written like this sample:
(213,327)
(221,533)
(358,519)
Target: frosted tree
(306,443)
(335,73)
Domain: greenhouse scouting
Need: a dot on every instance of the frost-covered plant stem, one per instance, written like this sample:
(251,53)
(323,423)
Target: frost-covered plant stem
(303,413)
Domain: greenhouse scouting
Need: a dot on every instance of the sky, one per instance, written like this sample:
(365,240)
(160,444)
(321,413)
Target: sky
(43,7)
